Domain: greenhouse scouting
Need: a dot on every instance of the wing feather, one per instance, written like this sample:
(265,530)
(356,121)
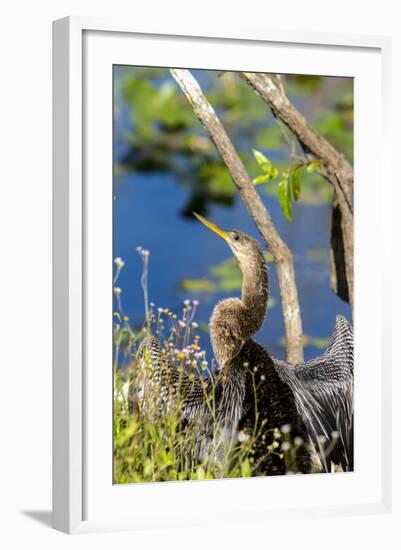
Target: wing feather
(323,390)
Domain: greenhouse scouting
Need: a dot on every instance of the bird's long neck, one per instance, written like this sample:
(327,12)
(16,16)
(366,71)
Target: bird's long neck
(234,321)
(255,288)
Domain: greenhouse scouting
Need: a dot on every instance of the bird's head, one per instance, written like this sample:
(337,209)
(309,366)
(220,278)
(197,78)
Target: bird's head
(244,247)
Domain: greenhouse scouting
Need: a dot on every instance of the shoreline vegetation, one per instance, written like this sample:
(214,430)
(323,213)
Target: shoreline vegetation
(149,447)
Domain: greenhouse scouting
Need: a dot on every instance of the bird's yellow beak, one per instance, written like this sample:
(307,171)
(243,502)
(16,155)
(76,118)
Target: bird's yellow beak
(210,225)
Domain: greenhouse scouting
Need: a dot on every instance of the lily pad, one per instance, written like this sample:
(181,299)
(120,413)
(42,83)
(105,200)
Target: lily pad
(224,276)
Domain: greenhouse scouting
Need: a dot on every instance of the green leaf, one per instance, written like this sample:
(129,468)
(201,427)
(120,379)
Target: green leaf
(296,182)
(284,196)
(147,467)
(269,171)
(246,470)
(263,161)
(312,166)
(273,173)
(262,178)
(200,473)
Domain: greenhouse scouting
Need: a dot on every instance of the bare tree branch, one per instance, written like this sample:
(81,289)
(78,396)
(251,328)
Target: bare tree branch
(281,253)
(336,169)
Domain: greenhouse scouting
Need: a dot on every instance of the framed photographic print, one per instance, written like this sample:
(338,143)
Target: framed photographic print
(219,338)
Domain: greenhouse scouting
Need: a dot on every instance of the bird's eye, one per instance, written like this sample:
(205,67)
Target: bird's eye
(236,237)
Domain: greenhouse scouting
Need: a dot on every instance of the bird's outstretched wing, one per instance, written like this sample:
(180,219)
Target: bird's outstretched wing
(211,406)
(167,385)
(323,390)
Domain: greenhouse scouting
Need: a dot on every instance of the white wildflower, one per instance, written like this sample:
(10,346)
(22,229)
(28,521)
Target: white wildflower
(242,436)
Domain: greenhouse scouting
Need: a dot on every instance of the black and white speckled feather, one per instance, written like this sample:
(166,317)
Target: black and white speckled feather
(323,390)
(163,386)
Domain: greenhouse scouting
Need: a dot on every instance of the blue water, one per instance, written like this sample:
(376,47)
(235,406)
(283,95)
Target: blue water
(147,213)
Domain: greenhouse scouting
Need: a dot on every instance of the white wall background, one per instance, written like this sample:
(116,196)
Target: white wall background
(25,218)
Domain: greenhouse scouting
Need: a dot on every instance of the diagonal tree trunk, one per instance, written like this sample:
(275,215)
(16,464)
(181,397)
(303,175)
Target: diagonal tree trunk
(281,253)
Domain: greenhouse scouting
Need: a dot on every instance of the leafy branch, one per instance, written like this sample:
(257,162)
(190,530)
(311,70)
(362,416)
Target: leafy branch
(289,185)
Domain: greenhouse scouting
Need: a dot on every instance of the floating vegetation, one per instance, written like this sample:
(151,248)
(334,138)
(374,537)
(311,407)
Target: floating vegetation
(317,254)
(224,276)
(198,285)
(314,341)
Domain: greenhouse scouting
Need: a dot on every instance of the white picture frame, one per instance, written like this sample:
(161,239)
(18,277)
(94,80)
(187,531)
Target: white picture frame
(77,483)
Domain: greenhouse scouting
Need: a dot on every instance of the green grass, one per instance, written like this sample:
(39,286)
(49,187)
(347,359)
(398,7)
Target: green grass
(149,448)
(152,447)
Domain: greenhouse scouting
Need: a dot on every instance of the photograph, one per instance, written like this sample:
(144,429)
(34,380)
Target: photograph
(203,223)
(232,274)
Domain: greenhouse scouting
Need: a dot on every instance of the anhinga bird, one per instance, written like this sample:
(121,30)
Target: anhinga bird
(255,393)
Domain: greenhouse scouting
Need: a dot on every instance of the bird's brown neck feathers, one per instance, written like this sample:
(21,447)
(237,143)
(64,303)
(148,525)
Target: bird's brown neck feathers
(234,321)
(255,289)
